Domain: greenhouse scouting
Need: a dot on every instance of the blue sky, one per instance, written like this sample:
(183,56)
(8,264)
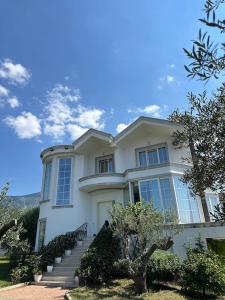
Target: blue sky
(66,66)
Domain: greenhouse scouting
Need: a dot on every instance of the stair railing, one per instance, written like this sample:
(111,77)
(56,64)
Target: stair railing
(80,233)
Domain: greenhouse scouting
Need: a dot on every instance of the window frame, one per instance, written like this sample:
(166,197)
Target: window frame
(147,149)
(208,202)
(102,158)
(57,179)
(41,221)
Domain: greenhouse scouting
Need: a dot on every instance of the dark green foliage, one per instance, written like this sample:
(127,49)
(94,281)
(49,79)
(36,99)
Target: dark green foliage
(29,219)
(97,263)
(56,248)
(218,246)
(163,266)
(202,272)
(121,268)
(16,249)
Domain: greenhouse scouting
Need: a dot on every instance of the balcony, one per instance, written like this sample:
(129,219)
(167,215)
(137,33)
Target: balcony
(101,181)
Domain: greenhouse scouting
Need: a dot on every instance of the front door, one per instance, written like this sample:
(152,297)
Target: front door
(103,213)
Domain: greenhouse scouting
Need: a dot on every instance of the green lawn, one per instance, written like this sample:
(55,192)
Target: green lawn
(4,272)
(122,289)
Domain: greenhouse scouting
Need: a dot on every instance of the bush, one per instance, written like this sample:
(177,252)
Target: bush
(97,263)
(29,220)
(121,268)
(56,248)
(202,272)
(163,266)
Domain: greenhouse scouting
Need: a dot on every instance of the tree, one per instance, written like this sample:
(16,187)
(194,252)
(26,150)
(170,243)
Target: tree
(8,213)
(207,57)
(142,230)
(204,122)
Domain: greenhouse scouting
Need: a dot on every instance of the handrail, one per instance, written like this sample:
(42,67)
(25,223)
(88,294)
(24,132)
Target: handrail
(80,233)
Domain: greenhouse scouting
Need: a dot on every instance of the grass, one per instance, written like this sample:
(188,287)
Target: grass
(4,272)
(122,289)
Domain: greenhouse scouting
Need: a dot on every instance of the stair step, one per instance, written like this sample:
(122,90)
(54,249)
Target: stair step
(68,284)
(60,273)
(57,278)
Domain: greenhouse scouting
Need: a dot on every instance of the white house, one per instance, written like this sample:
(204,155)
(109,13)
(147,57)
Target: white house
(81,181)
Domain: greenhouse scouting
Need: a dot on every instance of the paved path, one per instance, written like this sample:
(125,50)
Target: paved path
(33,292)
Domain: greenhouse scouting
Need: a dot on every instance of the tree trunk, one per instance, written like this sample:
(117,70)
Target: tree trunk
(140,282)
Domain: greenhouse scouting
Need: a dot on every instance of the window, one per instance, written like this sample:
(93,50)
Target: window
(41,235)
(64,181)
(151,157)
(187,204)
(47,181)
(105,164)
(159,192)
(212,200)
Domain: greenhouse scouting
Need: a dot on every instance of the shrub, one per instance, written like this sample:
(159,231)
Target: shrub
(20,274)
(163,266)
(121,268)
(97,263)
(29,220)
(202,272)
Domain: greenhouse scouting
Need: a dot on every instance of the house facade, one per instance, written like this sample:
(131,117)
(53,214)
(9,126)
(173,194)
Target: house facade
(81,182)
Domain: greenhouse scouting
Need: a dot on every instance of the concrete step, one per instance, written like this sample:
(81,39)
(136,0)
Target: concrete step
(68,284)
(60,273)
(58,278)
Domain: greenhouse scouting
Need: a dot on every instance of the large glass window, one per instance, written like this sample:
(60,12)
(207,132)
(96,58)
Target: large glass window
(151,157)
(159,192)
(187,204)
(212,201)
(105,164)
(64,181)
(47,180)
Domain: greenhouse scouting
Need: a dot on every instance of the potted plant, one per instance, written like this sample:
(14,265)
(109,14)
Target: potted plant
(58,255)
(80,241)
(68,245)
(50,264)
(76,278)
(37,274)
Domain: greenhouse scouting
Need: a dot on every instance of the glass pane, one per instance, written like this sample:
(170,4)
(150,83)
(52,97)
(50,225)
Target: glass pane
(212,201)
(47,181)
(167,196)
(187,203)
(41,236)
(150,192)
(152,157)
(64,181)
(142,159)
(163,155)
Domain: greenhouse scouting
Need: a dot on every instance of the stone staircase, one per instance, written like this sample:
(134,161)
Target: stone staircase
(63,273)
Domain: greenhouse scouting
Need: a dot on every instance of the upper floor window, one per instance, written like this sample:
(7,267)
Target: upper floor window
(105,164)
(47,181)
(153,156)
(64,181)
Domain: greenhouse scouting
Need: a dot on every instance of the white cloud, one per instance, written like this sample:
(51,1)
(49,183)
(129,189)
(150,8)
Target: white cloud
(89,117)
(120,127)
(172,66)
(159,87)
(170,78)
(75,131)
(25,125)
(149,109)
(54,130)
(63,115)
(14,73)
(13,102)
(3,91)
